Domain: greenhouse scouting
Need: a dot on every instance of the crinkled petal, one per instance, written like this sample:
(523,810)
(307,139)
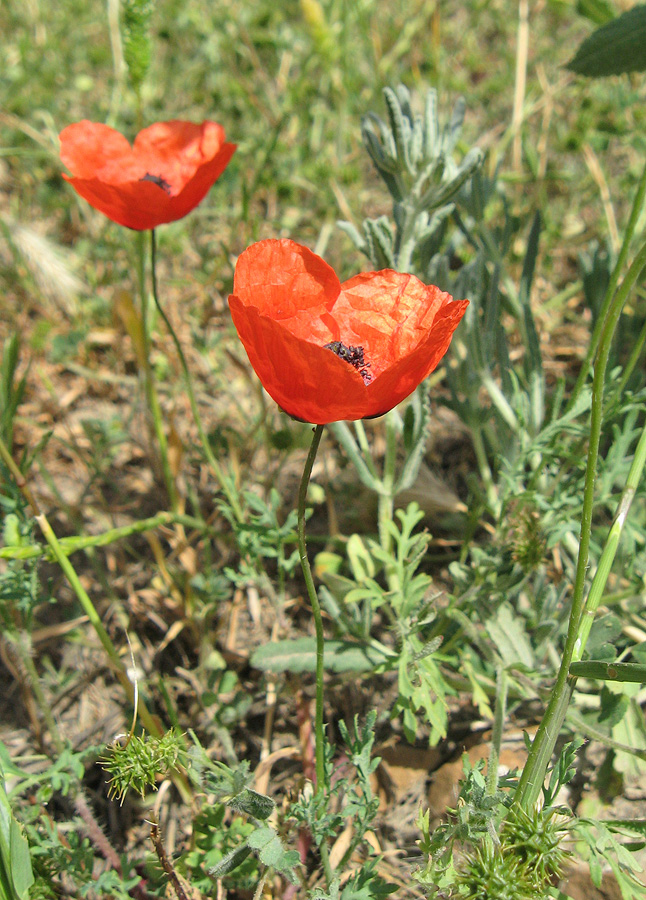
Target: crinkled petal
(389,313)
(283,279)
(402,377)
(90,148)
(177,150)
(391,328)
(306,380)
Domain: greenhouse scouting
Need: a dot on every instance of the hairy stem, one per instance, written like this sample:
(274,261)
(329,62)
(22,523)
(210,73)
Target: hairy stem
(319,730)
(222,480)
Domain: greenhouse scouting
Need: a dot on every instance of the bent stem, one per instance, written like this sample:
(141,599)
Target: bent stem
(319,731)
(88,607)
(533,776)
(215,466)
(152,399)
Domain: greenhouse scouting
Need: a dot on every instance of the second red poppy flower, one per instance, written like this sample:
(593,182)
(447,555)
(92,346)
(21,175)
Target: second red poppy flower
(327,351)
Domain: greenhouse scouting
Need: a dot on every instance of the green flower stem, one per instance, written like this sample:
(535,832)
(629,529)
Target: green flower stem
(610,549)
(149,384)
(531,780)
(223,481)
(319,731)
(609,671)
(635,212)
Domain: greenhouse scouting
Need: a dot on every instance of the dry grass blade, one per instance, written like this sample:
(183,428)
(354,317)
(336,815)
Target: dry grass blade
(46,262)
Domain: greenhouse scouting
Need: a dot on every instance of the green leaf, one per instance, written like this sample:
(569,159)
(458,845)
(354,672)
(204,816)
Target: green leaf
(16,876)
(615,48)
(254,804)
(603,634)
(613,707)
(598,11)
(271,851)
(507,631)
(300,656)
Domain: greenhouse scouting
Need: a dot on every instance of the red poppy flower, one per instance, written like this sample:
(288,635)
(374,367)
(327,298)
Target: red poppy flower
(167,171)
(327,351)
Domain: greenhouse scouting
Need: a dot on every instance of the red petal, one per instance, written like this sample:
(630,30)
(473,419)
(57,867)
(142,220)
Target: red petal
(306,380)
(178,150)
(201,183)
(137,204)
(287,305)
(89,147)
(388,313)
(401,379)
(281,279)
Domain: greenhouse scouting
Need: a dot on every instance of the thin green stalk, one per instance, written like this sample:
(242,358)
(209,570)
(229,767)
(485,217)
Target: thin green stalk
(500,712)
(635,212)
(149,384)
(610,549)
(632,673)
(215,466)
(319,731)
(531,781)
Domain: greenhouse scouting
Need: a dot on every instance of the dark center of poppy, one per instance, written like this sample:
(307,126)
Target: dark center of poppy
(352,355)
(158,180)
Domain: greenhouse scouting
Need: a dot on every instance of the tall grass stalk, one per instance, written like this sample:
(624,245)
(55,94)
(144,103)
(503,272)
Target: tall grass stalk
(531,780)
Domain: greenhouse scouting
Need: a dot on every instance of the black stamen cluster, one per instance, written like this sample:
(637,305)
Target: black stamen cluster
(158,180)
(353,355)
